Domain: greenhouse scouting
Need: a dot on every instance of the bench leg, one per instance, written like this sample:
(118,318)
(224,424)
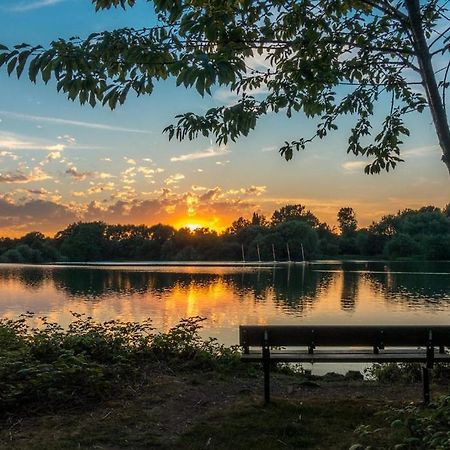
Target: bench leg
(426,385)
(266,369)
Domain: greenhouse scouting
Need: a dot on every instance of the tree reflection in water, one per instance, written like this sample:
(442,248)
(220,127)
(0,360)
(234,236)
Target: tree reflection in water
(333,293)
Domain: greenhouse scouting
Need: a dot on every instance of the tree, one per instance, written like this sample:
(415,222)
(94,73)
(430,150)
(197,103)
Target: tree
(347,221)
(83,241)
(325,58)
(238,225)
(446,210)
(259,220)
(294,212)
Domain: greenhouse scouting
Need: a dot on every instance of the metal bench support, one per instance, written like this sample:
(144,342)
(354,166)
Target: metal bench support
(426,384)
(266,368)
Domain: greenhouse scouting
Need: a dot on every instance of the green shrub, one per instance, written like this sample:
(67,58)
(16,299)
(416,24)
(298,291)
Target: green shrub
(410,428)
(50,365)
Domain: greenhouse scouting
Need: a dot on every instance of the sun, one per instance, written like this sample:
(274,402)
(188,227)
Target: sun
(192,226)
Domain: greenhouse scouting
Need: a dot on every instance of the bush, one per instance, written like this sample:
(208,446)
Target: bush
(411,428)
(49,366)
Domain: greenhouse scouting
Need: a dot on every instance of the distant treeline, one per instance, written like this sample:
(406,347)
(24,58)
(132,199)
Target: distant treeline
(423,234)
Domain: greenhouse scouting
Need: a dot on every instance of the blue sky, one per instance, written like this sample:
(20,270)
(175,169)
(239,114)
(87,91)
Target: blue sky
(61,162)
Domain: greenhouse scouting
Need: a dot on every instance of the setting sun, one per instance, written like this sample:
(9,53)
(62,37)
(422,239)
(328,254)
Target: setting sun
(192,226)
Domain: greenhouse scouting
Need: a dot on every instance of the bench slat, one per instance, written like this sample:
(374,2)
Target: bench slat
(343,335)
(349,357)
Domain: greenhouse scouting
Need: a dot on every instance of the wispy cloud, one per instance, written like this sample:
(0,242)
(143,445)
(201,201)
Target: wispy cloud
(210,152)
(353,166)
(36,4)
(13,141)
(76,123)
(421,151)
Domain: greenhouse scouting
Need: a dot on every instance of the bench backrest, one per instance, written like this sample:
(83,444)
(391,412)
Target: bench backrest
(344,335)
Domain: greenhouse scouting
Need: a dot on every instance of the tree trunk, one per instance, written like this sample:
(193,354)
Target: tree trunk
(429,80)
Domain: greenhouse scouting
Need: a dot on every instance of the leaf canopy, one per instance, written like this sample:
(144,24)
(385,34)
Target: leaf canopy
(324,58)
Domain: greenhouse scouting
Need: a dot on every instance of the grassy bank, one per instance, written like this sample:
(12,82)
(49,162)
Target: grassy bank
(123,385)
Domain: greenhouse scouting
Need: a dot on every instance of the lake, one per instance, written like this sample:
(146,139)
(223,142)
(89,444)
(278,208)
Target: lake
(325,292)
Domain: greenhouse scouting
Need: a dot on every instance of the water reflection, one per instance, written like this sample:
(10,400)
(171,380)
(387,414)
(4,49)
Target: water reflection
(350,289)
(339,292)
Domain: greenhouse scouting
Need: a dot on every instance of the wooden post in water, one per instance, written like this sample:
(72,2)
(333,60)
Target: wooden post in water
(288,252)
(273,253)
(243,255)
(259,254)
(303,253)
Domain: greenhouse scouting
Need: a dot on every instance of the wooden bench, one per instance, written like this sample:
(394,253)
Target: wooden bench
(345,344)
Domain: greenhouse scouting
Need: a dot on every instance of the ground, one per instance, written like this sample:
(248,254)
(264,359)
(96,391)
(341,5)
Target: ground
(196,410)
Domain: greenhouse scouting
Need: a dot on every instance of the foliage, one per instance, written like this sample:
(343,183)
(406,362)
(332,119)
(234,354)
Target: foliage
(347,221)
(326,59)
(404,372)
(412,428)
(294,212)
(394,372)
(90,360)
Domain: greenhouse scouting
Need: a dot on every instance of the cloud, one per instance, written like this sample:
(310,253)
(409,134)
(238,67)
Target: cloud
(209,206)
(40,191)
(211,194)
(196,188)
(32,5)
(75,174)
(421,151)
(36,214)
(353,166)
(13,141)
(104,175)
(56,148)
(172,179)
(256,190)
(11,155)
(269,149)
(211,152)
(37,174)
(76,123)
(54,155)
(148,172)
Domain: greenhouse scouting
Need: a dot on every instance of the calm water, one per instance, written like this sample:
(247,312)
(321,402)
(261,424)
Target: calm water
(326,293)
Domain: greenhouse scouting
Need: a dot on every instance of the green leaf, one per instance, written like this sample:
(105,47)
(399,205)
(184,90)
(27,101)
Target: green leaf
(11,65)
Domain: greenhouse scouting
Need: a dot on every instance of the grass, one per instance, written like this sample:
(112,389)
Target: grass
(246,424)
(285,424)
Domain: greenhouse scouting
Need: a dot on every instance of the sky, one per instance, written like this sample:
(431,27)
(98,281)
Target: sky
(61,162)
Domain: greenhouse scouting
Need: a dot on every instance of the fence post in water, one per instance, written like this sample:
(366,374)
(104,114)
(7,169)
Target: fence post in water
(273,253)
(243,255)
(259,254)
